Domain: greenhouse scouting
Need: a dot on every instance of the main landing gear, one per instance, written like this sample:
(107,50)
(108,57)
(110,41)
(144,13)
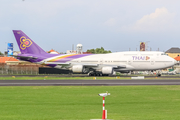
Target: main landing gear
(158,75)
(92,73)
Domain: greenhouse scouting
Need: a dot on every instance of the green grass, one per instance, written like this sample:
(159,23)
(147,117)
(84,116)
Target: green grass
(83,102)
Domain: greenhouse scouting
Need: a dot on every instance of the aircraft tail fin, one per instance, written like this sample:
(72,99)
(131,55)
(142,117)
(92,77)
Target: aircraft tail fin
(26,45)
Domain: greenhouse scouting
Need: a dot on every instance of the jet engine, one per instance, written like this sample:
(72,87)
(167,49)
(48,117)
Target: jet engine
(107,70)
(77,68)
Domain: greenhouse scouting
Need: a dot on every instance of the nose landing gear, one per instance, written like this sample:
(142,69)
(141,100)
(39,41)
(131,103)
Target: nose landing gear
(158,75)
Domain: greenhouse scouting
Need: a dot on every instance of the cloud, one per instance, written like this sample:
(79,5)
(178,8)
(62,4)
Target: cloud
(110,22)
(160,20)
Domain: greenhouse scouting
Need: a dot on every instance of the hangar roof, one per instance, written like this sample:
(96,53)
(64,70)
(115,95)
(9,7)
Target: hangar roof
(4,59)
(52,51)
(173,50)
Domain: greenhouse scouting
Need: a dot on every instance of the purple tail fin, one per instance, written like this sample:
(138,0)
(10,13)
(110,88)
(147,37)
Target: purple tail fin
(26,45)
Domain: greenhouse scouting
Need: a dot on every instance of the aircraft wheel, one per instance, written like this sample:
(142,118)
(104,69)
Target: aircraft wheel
(90,74)
(98,74)
(104,74)
(159,75)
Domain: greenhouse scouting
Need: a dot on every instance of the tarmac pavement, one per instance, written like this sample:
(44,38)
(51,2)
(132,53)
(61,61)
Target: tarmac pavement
(87,82)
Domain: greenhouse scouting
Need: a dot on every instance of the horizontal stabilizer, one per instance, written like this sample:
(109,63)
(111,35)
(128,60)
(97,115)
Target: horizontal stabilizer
(28,57)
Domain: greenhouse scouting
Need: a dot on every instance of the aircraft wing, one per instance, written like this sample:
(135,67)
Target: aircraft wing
(56,63)
(89,65)
(96,65)
(120,66)
(86,64)
(60,63)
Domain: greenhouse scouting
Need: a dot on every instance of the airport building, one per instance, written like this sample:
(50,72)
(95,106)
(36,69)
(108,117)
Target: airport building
(173,52)
(4,60)
(52,52)
(79,50)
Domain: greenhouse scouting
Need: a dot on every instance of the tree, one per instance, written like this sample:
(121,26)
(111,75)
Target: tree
(98,51)
(1,53)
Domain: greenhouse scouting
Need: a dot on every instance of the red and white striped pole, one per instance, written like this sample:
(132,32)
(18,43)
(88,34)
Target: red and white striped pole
(104,111)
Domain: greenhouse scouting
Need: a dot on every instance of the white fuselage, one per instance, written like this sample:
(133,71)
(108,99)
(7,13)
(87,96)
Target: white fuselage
(126,61)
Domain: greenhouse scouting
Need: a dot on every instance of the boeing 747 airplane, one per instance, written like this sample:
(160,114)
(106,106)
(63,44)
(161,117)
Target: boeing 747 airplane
(93,64)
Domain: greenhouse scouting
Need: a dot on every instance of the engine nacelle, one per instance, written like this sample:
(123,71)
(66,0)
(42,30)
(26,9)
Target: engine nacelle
(77,68)
(107,70)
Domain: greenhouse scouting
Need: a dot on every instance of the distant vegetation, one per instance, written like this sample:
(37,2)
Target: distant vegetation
(99,51)
(1,53)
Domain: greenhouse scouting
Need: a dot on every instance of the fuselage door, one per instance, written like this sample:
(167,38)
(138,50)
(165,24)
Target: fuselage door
(101,61)
(152,61)
(129,61)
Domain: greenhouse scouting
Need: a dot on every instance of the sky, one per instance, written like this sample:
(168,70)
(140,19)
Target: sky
(116,25)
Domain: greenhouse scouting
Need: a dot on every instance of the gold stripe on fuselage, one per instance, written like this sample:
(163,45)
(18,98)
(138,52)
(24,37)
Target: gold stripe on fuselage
(61,57)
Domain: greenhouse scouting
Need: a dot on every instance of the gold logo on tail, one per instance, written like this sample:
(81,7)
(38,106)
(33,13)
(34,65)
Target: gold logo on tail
(25,43)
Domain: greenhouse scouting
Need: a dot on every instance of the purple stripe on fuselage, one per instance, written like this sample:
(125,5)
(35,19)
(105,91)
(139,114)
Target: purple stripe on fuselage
(41,57)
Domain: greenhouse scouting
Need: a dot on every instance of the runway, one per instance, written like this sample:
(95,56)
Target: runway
(85,75)
(86,82)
